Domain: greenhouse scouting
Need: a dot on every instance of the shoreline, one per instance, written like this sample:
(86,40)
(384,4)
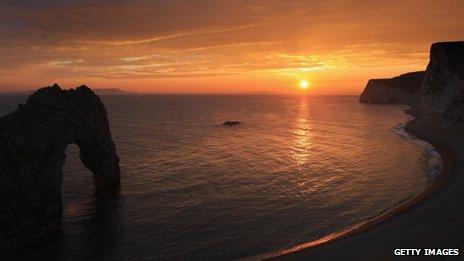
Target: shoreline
(413,127)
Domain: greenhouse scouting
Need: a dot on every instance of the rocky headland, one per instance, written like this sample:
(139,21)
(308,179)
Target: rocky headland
(400,89)
(33,139)
(438,90)
(442,90)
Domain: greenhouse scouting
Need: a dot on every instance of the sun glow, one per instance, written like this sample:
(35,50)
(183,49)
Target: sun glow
(304,84)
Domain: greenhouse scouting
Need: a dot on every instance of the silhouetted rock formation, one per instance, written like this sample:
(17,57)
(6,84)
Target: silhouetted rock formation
(441,91)
(399,89)
(33,140)
(231,123)
(443,88)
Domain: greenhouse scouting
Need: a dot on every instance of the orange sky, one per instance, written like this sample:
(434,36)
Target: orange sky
(219,46)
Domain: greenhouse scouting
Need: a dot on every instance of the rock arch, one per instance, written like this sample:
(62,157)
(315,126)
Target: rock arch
(33,139)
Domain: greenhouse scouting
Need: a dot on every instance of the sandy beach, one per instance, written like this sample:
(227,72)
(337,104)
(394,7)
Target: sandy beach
(430,220)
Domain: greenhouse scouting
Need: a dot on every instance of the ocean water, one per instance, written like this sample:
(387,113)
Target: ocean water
(296,169)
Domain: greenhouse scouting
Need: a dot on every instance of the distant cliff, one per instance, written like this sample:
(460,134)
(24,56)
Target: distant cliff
(443,88)
(400,89)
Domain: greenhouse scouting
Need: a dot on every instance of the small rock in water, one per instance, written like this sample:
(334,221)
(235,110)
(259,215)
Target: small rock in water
(231,123)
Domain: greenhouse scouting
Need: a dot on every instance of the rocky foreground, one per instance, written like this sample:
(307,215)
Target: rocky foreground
(33,140)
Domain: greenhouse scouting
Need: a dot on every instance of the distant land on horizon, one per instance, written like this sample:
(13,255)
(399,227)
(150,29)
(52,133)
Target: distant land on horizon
(112,91)
(117,91)
(264,92)
(98,91)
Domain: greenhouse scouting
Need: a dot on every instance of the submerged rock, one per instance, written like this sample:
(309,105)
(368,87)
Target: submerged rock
(231,123)
(399,89)
(33,140)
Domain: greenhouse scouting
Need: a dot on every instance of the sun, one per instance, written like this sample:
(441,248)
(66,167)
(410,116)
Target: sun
(304,84)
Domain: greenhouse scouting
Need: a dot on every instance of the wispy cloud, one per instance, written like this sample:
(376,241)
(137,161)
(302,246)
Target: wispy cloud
(79,39)
(205,31)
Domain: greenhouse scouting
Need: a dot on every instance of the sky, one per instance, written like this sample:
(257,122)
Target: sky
(218,46)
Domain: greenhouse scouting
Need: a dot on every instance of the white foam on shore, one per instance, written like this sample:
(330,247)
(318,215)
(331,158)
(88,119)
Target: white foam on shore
(430,159)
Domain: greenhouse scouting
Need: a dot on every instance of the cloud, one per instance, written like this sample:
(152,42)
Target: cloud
(205,38)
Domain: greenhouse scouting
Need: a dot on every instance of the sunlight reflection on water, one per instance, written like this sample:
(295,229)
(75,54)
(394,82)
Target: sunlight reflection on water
(296,169)
(303,132)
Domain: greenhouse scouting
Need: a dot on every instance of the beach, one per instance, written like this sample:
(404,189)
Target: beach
(431,220)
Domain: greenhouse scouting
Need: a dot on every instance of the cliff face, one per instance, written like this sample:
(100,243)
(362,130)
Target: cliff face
(438,90)
(33,140)
(400,89)
(443,88)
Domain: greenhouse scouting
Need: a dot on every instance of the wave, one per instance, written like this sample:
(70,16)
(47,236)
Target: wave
(430,160)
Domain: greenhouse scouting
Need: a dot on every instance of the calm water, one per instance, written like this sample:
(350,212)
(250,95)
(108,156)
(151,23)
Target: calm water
(297,169)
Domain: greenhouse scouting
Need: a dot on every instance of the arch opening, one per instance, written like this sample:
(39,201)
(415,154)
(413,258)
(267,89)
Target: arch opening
(33,140)
(77,186)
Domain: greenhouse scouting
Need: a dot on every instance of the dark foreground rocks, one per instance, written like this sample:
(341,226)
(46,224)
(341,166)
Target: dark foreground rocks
(33,140)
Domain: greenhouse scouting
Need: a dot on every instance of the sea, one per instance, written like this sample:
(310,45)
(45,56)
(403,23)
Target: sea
(297,168)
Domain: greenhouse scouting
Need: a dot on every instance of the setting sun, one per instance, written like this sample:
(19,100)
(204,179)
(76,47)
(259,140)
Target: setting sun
(304,84)
(281,124)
